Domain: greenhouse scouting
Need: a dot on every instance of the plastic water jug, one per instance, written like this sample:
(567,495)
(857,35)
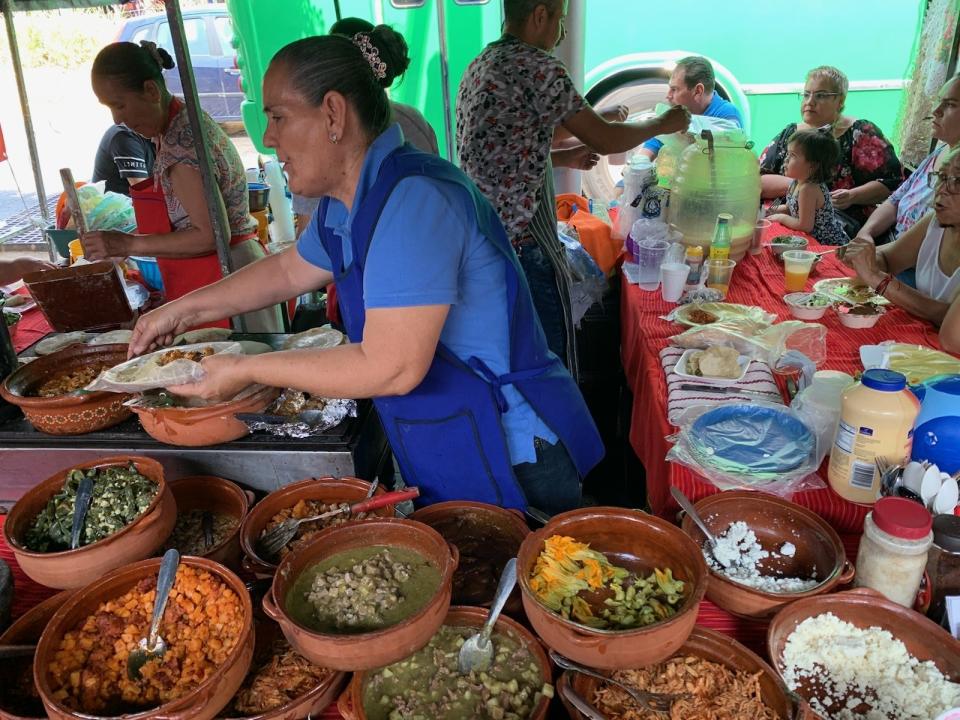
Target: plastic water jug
(637,176)
(718,173)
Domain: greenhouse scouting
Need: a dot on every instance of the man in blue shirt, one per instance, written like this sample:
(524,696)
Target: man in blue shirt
(692,85)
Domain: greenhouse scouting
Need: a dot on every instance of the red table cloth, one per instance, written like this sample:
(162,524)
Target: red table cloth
(757,280)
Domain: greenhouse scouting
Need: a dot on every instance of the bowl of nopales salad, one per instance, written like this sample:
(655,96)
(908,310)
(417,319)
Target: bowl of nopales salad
(807,306)
(132,512)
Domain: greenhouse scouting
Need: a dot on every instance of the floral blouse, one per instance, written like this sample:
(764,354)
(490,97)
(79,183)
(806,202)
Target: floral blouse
(865,155)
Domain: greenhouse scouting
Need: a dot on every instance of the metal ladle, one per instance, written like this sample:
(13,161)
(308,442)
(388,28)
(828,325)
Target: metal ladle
(153,646)
(477,652)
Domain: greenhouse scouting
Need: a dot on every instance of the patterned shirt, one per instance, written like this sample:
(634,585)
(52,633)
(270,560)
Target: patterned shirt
(511,99)
(913,198)
(827,228)
(177,147)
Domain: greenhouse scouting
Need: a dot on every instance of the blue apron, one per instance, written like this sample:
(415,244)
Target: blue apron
(447,433)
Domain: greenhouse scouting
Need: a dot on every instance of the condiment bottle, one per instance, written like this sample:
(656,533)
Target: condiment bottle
(893,550)
(720,244)
(876,420)
(694,260)
(943,564)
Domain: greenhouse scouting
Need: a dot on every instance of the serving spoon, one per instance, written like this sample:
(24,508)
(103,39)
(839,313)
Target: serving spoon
(81,505)
(153,646)
(477,652)
(688,508)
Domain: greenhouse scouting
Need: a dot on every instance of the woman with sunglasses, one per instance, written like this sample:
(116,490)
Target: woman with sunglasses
(932,248)
(868,170)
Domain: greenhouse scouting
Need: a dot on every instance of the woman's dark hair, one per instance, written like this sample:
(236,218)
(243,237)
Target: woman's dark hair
(132,65)
(316,65)
(821,149)
(350,26)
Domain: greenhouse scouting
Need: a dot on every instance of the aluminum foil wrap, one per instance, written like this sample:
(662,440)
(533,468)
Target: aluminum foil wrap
(306,416)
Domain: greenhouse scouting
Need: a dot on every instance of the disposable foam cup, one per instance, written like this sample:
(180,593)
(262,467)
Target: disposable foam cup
(673,278)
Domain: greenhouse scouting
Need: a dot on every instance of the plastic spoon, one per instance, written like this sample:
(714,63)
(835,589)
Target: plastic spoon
(153,646)
(476,653)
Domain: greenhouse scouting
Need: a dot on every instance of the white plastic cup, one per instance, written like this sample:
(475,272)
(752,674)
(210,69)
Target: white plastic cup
(673,279)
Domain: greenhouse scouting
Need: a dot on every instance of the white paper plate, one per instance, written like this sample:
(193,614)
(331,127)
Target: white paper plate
(680,369)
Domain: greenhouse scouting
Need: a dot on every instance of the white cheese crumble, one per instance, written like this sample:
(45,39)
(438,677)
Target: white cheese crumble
(738,554)
(863,674)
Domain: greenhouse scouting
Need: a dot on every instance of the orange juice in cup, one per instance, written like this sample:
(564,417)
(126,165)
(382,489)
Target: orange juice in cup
(796,268)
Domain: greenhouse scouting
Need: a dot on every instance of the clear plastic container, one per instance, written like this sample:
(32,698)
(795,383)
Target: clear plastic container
(897,535)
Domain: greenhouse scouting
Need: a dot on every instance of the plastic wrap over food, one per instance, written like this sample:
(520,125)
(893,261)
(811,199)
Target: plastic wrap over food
(106,210)
(755,446)
(759,343)
(916,362)
(320,338)
(161,369)
(305,416)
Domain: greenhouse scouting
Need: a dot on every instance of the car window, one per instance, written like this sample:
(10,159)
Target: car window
(141,34)
(195,30)
(225,32)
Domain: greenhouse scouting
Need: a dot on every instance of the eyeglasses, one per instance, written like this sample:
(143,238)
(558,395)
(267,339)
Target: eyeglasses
(818,96)
(951,183)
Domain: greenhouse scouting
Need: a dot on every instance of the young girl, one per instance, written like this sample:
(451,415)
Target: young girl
(812,157)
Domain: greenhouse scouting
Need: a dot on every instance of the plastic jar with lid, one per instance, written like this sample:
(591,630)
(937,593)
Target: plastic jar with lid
(943,564)
(893,550)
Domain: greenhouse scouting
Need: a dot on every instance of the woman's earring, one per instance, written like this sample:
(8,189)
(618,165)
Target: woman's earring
(334,139)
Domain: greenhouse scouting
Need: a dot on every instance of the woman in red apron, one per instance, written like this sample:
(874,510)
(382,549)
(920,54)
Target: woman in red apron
(173,221)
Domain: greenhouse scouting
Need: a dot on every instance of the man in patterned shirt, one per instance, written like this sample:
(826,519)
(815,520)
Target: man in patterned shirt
(513,99)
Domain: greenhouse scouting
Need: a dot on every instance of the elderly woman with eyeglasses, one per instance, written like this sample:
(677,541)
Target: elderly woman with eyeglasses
(932,247)
(868,170)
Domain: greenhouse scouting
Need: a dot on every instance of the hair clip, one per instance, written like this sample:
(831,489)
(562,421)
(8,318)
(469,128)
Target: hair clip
(371,54)
(151,47)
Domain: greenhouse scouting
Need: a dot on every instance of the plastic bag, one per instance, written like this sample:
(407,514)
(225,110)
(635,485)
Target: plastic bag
(698,123)
(916,362)
(755,446)
(748,316)
(146,373)
(760,343)
(320,338)
(106,211)
(587,281)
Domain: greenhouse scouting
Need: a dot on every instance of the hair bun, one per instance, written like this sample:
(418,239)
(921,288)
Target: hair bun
(166,60)
(393,51)
(160,56)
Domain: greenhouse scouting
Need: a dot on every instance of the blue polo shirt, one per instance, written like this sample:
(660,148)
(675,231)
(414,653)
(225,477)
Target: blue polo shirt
(426,250)
(718,108)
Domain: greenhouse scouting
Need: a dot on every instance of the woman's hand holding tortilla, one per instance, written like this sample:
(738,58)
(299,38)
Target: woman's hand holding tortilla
(158,328)
(224,376)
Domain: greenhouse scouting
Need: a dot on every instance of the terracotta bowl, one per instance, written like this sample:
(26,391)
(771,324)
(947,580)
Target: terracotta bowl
(326,490)
(363,651)
(351,702)
(72,569)
(203,492)
(774,521)
(206,701)
(718,648)
(197,427)
(865,608)
(312,703)
(27,631)
(633,540)
(67,414)
(483,534)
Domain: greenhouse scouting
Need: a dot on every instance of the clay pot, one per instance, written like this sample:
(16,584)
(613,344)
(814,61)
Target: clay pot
(312,703)
(203,492)
(865,608)
(325,489)
(718,648)
(67,414)
(362,651)
(351,702)
(486,537)
(27,630)
(211,425)
(774,521)
(635,541)
(206,701)
(72,569)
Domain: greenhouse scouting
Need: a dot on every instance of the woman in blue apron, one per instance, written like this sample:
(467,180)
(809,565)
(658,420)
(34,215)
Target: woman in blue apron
(443,332)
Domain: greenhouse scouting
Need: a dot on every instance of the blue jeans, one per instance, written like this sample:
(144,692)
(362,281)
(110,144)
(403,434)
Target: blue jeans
(546,299)
(552,483)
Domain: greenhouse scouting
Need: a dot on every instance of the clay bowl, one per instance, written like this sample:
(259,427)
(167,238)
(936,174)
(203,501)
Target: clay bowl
(351,702)
(204,492)
(486,537)
(774,521)
(363,651)
(72,569)
(718,648)
(326,490)
(211,425)
(637,542)
(206,701)
(26,631)
(312,703)
(67,414)
(864,608)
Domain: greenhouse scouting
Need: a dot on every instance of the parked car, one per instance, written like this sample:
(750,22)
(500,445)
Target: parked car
(209,33)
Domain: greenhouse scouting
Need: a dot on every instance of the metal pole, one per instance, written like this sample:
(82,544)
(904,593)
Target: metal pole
(336,8)
(445,78)
(219,220)
(28,125)
(570,52)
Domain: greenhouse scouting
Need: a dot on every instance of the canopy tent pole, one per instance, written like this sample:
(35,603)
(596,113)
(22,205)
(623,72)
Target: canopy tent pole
(219,221)
(28,125)
(336,9)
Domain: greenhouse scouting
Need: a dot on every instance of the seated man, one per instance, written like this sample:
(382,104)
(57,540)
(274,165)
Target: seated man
(932,247)
(693,85)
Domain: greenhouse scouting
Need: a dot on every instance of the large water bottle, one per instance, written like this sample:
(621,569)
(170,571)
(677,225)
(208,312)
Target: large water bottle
(637,176)
(281,229)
